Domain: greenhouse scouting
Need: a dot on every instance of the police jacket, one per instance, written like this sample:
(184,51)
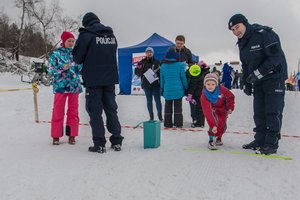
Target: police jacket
(148,63)
(96,48)
(260,49)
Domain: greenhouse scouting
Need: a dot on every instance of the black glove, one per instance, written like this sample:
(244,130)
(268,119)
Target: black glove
(248,89)
(254,76)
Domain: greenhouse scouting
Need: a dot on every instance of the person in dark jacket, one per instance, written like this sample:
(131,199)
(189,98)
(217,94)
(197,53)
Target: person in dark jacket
(151,89)
(185,53)
(264,72)
(194,91)
(235,83)
(96,49)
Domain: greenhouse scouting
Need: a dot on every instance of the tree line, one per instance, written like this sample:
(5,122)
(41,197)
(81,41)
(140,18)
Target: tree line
(36,30)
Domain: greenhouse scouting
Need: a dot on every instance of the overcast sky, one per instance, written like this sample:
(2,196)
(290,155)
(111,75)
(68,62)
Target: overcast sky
(203,22)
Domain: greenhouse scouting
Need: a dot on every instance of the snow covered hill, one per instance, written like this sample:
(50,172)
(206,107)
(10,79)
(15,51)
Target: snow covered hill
(181,168)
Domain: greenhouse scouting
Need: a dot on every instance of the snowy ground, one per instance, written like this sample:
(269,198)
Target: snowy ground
(32,168)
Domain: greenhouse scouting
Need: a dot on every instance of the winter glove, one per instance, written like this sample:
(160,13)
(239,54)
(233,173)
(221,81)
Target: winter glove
(248,89)
(193,101)
(254,76)
(139,66)
(189,97)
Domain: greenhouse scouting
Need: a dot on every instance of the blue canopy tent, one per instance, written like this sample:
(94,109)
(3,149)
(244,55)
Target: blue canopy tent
(160,46)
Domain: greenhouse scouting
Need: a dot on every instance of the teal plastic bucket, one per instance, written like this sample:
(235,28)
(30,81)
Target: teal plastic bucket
(151,134)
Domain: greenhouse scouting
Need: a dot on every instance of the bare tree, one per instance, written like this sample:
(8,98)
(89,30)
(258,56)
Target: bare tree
(66,23)
(69,24)
(46,16)
(4,29)
(24,6)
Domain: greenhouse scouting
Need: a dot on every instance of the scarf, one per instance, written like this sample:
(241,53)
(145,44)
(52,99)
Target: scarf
(212,96)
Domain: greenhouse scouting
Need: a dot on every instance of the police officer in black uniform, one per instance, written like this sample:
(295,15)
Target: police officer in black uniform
(264,71)
(96,49)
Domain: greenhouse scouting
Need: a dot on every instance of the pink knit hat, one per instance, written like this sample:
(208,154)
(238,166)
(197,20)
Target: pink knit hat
(211,77)
(64,36)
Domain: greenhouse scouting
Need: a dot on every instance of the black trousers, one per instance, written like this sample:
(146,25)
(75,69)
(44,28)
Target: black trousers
(268,107)
(178,117)
(97,100)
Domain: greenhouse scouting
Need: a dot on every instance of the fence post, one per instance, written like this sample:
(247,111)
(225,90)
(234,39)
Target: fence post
(35,91)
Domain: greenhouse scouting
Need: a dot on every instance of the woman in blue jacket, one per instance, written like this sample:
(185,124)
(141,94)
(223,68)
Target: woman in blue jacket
(173,83)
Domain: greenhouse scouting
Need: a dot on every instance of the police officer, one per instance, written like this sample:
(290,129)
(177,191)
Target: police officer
(264,71)
(96,49)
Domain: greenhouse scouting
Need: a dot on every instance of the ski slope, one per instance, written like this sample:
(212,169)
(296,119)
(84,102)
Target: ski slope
(181,168)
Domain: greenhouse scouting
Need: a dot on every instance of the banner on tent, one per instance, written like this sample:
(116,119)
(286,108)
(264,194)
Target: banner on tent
(136,81)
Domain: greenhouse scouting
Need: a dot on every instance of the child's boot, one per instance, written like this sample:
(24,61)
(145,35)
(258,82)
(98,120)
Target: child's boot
(55,141)
(219,141)
(72,140)
(212,143)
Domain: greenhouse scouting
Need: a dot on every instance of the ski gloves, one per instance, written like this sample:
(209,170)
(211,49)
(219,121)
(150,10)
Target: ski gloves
(254,76)
(190,99)
(139,66)
(248,89)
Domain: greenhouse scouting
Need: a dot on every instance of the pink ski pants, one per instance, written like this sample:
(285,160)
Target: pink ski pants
(58,114)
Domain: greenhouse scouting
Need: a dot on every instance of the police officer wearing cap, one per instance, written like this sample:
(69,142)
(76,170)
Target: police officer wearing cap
(264,71)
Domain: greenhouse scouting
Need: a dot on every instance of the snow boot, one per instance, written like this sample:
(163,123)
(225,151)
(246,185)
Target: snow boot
(116,147)
(151,116)
(160,117)
(72,140)
(212,145)
(252,145)
(267,150)
(219,142)
(193,125)
(55,141)
(98,149)
(199,125)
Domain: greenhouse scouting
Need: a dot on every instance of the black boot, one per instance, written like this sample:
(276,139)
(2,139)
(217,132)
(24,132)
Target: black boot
(151,116)
(98,149)
(116,147)
(267,150)
(252,145)
(160,117)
